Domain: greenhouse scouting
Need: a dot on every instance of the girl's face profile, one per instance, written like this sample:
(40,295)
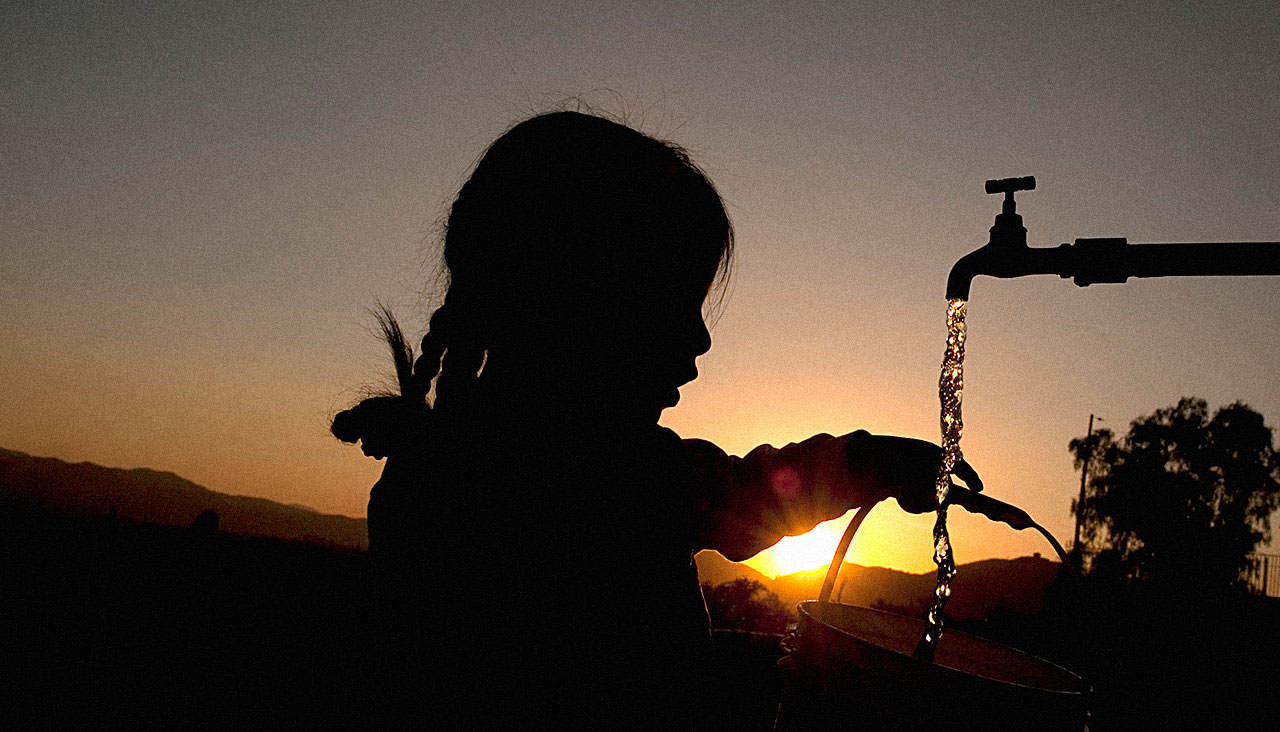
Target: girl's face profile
(597,246)
(648,344)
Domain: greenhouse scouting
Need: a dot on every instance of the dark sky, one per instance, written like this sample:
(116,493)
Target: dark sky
(201,200)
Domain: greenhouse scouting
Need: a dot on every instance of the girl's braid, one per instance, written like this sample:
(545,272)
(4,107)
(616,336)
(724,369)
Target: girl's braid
(434,344)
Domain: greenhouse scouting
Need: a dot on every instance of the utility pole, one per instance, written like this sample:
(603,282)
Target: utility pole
(1084,481)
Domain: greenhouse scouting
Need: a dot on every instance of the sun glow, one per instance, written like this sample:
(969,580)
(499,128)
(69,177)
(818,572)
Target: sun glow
(889,538)
(800,553)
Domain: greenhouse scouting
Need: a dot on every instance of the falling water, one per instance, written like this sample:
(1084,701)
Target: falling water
(950,393)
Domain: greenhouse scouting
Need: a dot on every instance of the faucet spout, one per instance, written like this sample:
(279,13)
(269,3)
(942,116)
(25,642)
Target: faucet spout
(1006,253)
(1114,260)
(1008,262)
(1091,261)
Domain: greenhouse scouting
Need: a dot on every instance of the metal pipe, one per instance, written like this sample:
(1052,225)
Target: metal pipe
(1109,260)
(1114,260)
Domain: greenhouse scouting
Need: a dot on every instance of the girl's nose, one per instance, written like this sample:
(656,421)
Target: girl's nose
(701,338)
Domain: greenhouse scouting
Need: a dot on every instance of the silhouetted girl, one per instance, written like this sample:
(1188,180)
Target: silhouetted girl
(535,525)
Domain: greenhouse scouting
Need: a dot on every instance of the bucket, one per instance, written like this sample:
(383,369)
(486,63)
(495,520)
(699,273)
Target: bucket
(852,668)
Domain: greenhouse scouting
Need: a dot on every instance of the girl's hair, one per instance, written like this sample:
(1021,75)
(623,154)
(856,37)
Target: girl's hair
(562,208)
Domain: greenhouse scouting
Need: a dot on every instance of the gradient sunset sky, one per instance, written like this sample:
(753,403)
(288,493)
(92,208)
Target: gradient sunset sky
(200,202)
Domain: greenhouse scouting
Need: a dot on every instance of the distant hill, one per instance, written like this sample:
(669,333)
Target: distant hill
(714,569)
(979,589)
(152,496)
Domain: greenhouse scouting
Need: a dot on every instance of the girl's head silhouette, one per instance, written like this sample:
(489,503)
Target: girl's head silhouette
(579,254)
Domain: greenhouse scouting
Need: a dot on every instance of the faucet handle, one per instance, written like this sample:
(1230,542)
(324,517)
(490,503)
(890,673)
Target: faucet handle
(1009,185)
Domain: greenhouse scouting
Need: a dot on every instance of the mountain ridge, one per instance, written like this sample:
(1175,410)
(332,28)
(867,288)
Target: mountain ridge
(980,589)
(162,497)
(148,495)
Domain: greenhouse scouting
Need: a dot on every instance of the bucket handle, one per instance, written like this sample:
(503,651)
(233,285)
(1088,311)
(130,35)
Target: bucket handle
(995,510)
(969,500)
(829,582)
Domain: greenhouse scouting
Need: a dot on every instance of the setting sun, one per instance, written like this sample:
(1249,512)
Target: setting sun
(889,538)
(799,553)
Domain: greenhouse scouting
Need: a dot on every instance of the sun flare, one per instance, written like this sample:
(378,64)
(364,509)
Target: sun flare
(801,553)
(808,551)
(889,538)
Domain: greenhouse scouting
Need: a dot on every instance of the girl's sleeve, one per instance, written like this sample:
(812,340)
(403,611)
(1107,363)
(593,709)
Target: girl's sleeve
(747,504)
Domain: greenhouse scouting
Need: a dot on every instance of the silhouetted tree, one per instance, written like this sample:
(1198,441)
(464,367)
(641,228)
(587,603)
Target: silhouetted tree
(1182,499)
(745,604)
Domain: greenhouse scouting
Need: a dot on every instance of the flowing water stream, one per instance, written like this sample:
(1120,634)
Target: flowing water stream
(950,394)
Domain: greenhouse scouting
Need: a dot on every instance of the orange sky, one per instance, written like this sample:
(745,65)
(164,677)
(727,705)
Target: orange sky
(200,205)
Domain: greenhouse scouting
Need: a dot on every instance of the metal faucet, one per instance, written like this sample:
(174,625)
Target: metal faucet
(1090,261)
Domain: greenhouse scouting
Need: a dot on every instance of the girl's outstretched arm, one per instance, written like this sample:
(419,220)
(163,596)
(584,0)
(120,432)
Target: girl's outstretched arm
(747,504)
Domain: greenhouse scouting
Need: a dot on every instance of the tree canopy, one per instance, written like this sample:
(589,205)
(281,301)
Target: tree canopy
(745,604)
(1182,499)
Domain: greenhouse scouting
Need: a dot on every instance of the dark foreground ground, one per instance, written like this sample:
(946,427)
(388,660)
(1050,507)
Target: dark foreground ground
(114,625)
(107,624)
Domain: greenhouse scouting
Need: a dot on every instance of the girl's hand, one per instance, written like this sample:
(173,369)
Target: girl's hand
(902,468)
